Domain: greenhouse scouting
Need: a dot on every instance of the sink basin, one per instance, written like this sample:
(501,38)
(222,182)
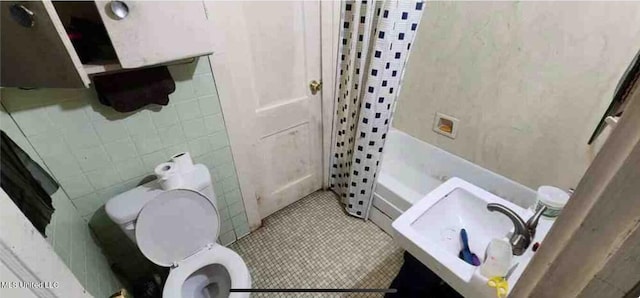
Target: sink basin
(430,231)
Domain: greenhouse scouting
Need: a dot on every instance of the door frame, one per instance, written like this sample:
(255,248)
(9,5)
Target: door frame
(330,18)
(231,86)
(595,240)
(31,258)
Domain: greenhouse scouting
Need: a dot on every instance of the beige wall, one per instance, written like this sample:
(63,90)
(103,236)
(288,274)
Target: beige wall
(528,81)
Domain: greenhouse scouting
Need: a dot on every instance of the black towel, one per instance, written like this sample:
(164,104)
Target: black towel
(131,90)
(26,183)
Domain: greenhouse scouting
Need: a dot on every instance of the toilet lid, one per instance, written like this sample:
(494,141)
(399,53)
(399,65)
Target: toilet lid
(175,225)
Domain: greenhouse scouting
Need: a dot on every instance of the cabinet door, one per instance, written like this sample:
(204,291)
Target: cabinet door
(37,56)
(156,31)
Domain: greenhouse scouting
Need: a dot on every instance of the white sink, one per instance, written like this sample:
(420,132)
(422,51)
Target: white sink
(430,231)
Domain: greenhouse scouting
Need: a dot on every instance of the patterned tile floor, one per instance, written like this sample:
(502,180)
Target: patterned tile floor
(313,244)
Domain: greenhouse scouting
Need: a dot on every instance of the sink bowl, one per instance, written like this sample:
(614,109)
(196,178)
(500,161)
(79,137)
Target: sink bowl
(430,231)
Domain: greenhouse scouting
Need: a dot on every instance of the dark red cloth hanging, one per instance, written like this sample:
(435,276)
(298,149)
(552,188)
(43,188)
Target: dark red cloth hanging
(130,90)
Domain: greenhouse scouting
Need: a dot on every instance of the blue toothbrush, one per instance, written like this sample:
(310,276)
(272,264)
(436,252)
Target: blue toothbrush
(466,252)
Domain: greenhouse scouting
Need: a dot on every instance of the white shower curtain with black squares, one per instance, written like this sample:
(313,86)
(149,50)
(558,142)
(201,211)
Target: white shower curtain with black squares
(376,39)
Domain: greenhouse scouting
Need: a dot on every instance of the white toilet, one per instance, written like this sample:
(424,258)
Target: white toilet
(178,229)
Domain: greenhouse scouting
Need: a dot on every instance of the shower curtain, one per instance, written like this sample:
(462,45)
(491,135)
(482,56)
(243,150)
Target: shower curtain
(376,39)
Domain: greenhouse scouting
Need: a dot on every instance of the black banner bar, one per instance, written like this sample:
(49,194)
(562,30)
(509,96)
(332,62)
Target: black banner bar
(314,290)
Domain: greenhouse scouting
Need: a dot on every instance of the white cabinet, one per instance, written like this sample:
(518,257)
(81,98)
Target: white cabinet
(156,31)
(41,54)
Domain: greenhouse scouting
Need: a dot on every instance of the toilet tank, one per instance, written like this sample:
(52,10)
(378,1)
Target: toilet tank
(124,208)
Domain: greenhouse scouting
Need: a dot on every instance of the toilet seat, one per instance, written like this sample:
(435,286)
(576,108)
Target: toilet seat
(217,254)
(175,225)
(179,229)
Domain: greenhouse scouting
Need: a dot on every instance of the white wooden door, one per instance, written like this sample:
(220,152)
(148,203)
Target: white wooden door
(270,53)
(156,31)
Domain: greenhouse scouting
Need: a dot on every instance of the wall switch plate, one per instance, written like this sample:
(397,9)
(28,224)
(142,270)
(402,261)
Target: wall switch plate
(446,125)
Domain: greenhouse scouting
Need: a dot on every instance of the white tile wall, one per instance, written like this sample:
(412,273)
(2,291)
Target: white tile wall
(96,152)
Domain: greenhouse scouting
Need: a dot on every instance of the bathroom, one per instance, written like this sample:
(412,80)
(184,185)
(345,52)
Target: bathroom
(505,96)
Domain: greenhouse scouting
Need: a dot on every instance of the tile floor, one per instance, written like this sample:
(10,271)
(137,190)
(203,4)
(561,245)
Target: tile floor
(314,244)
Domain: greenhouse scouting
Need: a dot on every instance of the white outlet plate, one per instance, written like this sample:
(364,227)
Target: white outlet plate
(446,119)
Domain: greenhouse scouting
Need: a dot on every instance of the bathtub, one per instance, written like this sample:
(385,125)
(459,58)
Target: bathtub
(412,168)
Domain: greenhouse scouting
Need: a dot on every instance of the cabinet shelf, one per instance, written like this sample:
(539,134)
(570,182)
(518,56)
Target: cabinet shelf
(100,67)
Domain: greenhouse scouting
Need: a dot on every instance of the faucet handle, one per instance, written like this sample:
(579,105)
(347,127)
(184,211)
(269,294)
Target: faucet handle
(532,223)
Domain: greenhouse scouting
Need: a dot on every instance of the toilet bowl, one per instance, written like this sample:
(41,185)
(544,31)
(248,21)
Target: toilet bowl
(178,229)
(210,273)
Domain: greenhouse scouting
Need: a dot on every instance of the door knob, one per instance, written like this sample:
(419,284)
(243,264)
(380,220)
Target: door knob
(119,9)
(315,86)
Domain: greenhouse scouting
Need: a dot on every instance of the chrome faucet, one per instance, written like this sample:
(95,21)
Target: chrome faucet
(524,232)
